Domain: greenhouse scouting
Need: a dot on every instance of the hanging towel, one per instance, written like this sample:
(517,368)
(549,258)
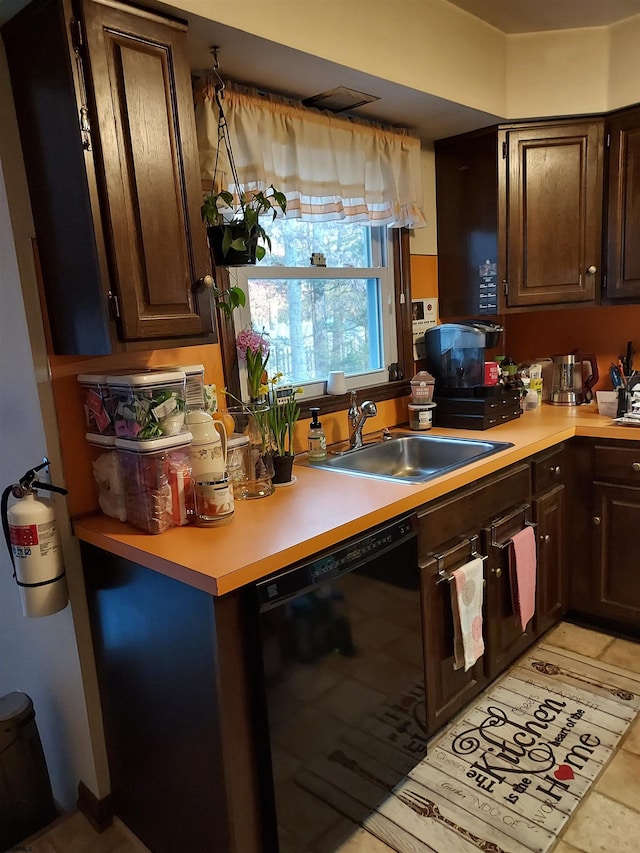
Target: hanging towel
(466,601)
(522,574)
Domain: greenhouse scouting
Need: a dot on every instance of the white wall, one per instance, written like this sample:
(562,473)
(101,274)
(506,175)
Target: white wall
(558,73)
(434,47)
(39,656)
(624,63)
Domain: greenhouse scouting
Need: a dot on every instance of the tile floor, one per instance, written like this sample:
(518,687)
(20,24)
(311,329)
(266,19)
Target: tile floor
(608,818)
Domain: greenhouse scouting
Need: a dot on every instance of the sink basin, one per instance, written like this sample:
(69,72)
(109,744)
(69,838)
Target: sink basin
(412,458)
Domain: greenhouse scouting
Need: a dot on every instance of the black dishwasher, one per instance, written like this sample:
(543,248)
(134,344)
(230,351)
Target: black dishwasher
(343,676)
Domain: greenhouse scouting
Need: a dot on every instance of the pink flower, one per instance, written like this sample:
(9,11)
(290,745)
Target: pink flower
(254,349)
(248,339)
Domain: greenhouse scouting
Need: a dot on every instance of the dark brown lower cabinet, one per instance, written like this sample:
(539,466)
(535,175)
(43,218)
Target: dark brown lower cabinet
(616,568)
(551,591)
(505,638)
(448,689)
(450,530)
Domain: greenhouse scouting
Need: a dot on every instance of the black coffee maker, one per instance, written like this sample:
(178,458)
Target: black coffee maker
(455,356)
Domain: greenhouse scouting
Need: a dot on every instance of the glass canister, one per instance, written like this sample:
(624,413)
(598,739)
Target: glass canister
(420,415)
(214,502)
(251,420)
(237,447)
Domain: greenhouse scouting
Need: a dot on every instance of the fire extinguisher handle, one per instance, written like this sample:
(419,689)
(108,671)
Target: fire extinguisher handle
(49,487)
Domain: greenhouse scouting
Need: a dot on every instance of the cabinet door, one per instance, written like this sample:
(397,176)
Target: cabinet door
(616,521)
(448,690)
(554,213)
(551,587)
(142,120)
(506,639)
(623,262)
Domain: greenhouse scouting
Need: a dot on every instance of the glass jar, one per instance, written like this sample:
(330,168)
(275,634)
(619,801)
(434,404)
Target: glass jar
(252,420)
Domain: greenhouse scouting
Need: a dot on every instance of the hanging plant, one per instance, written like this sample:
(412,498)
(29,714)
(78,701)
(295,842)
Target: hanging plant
(235,234)
(234,230)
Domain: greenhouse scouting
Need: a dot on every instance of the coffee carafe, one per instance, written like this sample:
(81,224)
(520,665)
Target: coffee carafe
(574,377)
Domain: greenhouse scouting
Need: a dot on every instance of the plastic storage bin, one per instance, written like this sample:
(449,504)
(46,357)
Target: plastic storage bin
(26,801)
(194,393)
(107,472)
(158,485)
(97,402)
(148,405)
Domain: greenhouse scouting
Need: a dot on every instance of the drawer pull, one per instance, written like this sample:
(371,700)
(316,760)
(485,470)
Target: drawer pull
(555,470)
(635,466)
(596,520)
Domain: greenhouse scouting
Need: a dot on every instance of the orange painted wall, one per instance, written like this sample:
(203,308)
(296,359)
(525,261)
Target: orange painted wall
(602,330)
(424,276)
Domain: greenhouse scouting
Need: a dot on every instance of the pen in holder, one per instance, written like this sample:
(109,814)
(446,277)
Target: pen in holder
(623,402)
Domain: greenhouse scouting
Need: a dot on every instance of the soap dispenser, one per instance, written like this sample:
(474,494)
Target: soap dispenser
(317,439)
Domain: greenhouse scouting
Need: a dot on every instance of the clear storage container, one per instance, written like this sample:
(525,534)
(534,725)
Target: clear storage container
(194,394)
(107,473)
(157,481)
(148,405)
(97,402)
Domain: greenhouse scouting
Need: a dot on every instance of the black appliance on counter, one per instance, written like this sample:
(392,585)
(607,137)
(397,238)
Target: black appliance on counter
(343,684)
(455,356)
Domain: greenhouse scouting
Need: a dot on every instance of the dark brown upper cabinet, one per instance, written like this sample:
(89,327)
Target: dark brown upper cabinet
(519,216)
(554,213)
(105,111)
(623,227)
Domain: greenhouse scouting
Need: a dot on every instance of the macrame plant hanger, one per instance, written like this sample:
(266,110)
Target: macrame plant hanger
(223,130)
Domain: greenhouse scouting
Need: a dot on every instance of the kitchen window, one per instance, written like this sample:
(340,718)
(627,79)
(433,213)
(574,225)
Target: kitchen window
(322,318)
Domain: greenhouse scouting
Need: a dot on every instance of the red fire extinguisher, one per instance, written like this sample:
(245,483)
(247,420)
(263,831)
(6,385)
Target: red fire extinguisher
(33,541)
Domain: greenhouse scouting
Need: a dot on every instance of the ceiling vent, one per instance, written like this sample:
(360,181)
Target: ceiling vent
(340,99)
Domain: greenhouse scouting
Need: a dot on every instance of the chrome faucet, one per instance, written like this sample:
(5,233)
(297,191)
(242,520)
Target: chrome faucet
(357,416)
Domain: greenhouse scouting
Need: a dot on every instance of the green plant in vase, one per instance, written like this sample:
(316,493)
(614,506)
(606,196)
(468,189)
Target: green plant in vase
(283,415)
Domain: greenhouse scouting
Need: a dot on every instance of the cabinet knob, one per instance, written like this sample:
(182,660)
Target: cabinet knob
(497,572)
(596,520)
(635,466)
(546,538)
(592,269)
(206,281)
(555,469)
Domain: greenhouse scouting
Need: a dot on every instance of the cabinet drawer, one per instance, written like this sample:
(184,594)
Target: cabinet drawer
(469,508)
(548,470)
(621,464)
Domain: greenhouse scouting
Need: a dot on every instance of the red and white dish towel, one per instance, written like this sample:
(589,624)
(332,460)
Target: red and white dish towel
(522,574)
(466,601)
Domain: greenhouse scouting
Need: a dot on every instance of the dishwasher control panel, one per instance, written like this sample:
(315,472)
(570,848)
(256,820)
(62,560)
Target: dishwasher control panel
(332,564)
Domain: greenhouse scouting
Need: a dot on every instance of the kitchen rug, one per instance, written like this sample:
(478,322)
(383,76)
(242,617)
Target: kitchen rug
(508,773)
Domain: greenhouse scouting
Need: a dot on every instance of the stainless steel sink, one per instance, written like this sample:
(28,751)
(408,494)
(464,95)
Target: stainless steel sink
(412,458)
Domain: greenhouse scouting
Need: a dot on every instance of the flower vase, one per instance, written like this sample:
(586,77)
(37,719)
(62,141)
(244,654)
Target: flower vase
(282,466)
(257,479)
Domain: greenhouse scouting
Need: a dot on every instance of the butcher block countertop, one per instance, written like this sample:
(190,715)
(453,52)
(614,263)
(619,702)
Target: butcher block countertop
(324,507)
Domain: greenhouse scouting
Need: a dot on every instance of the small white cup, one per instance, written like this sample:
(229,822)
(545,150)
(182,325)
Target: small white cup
(336,383)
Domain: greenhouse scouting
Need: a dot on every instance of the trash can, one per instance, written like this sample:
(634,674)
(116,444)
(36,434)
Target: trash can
(26,801)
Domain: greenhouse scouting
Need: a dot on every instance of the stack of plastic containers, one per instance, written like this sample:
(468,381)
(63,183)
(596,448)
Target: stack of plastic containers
(153,447)
(98,411)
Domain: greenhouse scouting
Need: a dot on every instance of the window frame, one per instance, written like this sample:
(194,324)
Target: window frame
(380,269)
(400,263)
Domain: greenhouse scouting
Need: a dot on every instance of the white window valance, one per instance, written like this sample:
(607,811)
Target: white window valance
(330,168)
